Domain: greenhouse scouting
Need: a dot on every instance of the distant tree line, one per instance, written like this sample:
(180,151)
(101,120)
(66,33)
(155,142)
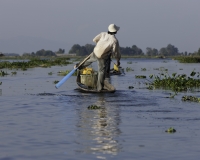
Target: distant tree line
(43,52)
(196,53)
(78,50)
(81,50)
(170,50)
(88,48)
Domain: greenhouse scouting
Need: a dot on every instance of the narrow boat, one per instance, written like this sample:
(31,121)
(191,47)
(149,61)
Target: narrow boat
(87,82)
(117,70)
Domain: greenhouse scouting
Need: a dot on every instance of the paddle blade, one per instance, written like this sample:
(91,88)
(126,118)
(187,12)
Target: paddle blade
(65,78)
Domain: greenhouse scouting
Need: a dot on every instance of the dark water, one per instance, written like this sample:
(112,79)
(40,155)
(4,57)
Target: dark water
(40,122)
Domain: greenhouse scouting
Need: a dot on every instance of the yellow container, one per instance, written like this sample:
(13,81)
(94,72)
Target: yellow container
(89,80)
(116,68)
(87,70)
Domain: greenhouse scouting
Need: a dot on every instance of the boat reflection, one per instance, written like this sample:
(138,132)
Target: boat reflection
(98,130)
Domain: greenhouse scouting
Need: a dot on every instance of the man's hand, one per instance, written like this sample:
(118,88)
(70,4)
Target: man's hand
(76,65)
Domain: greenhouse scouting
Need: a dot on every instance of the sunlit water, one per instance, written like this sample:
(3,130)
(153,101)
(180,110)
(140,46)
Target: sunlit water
(38,121)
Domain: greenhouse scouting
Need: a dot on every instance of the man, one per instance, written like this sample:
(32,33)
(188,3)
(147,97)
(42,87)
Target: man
(107,45)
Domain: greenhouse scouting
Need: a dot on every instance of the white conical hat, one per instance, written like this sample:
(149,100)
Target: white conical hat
(113,28)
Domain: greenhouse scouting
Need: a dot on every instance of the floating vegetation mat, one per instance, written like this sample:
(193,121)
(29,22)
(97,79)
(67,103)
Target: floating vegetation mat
(143,69)
(170,130)
(128,69)
(188,59)
(93,107)
(140,76)
(190,98)
(34,63)
(64,73)
(55,82)
(2,73)
(130,87)
(175,82)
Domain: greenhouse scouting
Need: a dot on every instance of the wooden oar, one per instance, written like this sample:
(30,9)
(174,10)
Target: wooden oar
(70,73)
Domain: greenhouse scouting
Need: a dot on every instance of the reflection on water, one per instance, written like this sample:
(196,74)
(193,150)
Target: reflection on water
(98,130)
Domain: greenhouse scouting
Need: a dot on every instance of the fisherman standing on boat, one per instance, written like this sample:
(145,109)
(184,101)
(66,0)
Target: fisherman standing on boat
(107,45)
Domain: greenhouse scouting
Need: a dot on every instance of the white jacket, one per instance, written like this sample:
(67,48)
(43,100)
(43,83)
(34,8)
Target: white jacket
(106,43)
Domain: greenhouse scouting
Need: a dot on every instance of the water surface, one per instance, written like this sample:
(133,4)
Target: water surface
(41,122)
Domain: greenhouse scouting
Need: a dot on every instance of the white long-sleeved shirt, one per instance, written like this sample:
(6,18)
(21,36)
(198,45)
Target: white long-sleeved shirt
(106,43)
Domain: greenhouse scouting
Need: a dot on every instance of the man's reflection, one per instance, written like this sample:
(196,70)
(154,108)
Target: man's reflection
(98,130)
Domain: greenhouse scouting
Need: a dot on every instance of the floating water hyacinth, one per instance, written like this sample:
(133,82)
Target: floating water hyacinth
(130,87)
(94,107)
(188,59)
(2,73)
(140,76)
(50,73)
(36,62)
(143,69)
(170,130)
(129,62)
(0,83)
(129,69)
(64,73)
(175,82)
(13,73)
(190,98)
(55,82)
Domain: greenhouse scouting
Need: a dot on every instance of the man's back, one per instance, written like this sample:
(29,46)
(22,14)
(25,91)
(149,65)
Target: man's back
(105,43)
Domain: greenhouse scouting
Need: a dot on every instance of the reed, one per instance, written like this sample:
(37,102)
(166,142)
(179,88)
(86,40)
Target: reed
(188,59)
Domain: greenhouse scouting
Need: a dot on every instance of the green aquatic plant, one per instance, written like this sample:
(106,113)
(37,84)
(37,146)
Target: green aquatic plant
(143,69)
(55,82)
(64,73)
(0,83)
(150,87)
(50,73)
(163,69)
(190,98)
(187,59)
(13,73)
(173,95)
(140,76)
(130,87)
(170,130)
(128,69)
(35,62)
(192,73)
(2,73)
(94,107)
(129,62)
(175,82)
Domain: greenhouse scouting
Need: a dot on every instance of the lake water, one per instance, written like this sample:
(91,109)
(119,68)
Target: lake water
(38,121)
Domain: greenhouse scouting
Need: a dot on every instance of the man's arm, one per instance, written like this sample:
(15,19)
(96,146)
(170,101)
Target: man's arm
(97,38)
(116,51)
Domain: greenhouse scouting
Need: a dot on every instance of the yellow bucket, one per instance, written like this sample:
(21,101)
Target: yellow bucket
(116,68)
(87,71)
